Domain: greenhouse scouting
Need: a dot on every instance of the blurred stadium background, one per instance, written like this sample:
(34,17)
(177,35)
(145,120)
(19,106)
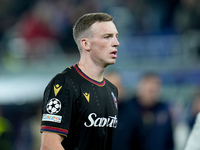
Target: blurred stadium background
(36,43)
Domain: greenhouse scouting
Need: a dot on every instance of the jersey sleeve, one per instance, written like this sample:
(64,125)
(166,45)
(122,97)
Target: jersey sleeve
(58,102)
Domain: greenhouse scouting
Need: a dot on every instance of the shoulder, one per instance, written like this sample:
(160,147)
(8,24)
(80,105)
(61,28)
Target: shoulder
(163,105)
(64,77)
(193,140)
(133,102)
(110,84)
(62,86)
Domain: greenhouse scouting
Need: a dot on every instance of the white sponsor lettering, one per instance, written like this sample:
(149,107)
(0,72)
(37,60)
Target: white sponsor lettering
(101,121)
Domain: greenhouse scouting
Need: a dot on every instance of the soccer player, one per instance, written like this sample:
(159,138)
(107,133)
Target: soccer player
(80,105)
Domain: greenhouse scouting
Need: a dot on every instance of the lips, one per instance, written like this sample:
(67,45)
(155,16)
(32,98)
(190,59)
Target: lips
(114,54)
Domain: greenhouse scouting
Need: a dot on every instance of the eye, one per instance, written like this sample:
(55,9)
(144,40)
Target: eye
(117,36)
(107,36)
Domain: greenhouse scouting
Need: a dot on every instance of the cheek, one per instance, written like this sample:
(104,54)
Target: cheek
(100,44)
(99,49)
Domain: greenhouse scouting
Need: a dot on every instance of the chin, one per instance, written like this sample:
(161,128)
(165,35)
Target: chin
(110,63)
(113,61)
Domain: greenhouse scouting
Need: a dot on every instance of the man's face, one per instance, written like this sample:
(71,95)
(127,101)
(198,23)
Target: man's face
(149,91)
(103,43)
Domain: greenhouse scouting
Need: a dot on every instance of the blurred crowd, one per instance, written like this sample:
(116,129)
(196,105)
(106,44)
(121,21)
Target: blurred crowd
(146,121)
(34,29)
(41,29)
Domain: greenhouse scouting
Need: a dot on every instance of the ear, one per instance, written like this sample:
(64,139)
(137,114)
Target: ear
(85,44)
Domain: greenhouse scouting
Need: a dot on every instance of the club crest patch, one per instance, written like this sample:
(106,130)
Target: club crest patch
(53,106)
(114,99)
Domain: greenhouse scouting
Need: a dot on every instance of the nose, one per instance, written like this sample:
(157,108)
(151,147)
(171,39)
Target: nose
(116,42)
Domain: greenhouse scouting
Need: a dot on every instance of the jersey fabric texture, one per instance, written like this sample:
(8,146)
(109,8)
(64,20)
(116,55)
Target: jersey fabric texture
(81,109)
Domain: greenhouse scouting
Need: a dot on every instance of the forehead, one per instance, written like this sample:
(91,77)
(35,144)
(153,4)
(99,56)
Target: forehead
(104,27)
(151,80)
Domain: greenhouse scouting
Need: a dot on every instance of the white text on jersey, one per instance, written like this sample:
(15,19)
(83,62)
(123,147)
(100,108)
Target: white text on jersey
(101,121)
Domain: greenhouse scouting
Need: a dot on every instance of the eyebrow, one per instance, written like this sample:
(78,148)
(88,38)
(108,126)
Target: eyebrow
(111,34)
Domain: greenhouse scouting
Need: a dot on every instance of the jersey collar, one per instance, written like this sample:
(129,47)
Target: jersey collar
(102,83)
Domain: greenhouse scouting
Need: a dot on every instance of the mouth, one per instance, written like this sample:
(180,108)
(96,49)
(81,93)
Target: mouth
(114,54)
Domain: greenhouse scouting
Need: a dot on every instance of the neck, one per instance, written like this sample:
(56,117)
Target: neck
(92,70)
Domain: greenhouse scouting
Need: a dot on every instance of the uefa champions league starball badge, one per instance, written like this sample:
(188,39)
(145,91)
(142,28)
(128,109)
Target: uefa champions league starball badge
(53,106)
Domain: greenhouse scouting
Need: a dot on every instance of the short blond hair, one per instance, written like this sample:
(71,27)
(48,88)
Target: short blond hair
(84,23)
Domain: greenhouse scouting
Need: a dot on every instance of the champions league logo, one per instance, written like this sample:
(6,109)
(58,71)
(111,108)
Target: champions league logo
(53,106)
